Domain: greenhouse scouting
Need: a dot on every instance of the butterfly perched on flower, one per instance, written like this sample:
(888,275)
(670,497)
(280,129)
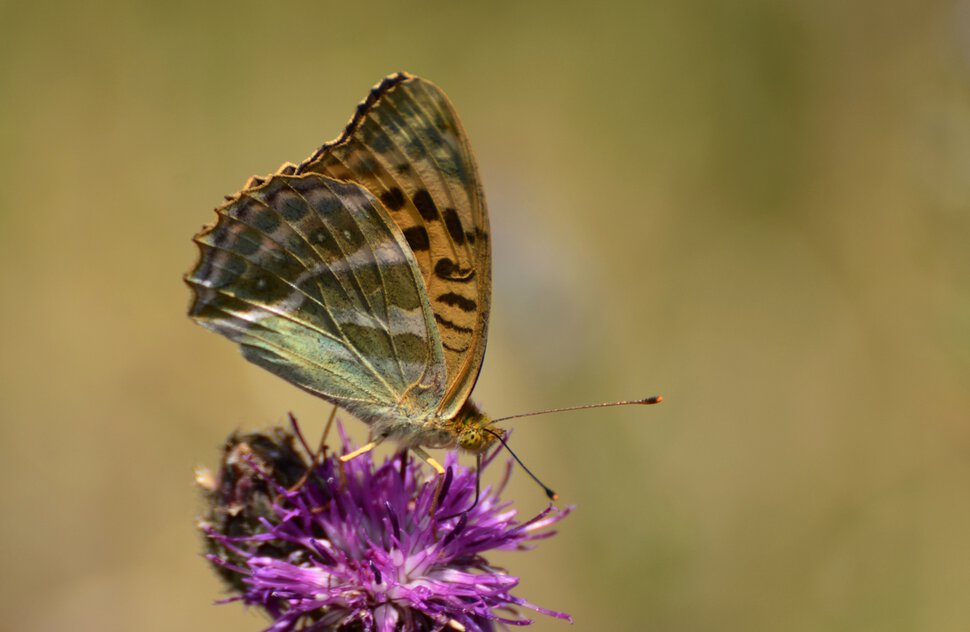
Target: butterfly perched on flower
(363,275)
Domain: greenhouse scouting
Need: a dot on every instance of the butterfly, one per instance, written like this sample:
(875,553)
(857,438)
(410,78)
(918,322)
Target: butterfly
(363,274)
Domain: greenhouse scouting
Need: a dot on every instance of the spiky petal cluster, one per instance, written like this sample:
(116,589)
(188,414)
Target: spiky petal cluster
(358,546)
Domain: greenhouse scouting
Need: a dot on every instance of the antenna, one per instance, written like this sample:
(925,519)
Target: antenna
(551,494)
(656,399)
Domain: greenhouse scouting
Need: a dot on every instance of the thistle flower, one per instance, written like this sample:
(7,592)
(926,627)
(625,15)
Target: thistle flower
(358,546)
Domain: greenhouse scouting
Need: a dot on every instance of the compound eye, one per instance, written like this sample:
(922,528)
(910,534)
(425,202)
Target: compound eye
(471,441)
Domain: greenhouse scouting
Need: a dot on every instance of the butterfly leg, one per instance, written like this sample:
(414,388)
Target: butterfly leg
(326,431)
(319,456)
(403,455)
(320,453)
(427,458)
(364,449)
(444,479)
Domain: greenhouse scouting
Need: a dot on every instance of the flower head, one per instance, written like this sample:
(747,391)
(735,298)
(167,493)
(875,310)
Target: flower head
(361,546)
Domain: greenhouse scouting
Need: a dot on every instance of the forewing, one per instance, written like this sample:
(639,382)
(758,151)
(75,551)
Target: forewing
(317,284)
(407,147)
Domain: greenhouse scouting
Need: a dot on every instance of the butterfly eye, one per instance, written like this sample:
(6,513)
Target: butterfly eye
(473,440)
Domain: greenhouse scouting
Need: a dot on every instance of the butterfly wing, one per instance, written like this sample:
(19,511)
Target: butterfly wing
(407,147)
(319,286)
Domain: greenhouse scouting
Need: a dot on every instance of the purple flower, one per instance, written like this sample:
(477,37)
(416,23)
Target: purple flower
(358,546)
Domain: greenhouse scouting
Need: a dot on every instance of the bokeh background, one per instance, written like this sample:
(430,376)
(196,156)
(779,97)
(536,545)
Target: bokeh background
(760,209)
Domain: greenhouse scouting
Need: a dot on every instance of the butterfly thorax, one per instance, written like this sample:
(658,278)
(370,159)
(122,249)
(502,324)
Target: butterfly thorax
(469,429)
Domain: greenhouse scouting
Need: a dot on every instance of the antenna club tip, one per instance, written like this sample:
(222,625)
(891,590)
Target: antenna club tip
(553,496)
(656,399)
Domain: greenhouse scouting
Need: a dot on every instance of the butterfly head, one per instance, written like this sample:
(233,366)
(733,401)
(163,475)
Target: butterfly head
(471,429)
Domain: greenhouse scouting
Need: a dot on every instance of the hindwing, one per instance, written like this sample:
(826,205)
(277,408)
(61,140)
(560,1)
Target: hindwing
(318,285)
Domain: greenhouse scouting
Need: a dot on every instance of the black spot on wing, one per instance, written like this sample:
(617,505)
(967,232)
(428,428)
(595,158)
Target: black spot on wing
(255,214)
(245,242)
(425,205)
(220,236)
(290,207)
(393,199)
(447,324)
(454,226)
(417,238)
(459,301)
(447,269)
(455,349)
(372,134)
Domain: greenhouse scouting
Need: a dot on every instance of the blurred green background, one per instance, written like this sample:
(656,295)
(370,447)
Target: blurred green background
(759,209)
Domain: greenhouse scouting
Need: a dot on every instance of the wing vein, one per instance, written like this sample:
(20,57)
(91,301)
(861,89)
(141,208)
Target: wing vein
(304,239)
(385,322)
(341,340)
(363,359)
